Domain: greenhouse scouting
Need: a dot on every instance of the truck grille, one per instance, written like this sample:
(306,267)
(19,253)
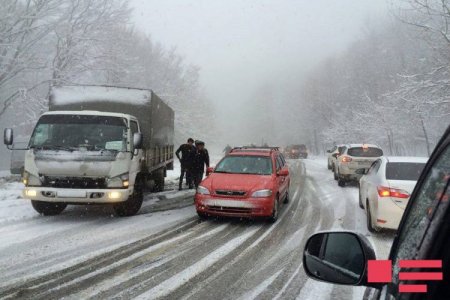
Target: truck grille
(230,193)
(74,182)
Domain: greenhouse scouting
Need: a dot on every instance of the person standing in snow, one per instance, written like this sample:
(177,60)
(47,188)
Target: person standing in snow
(201,158)
(186,160)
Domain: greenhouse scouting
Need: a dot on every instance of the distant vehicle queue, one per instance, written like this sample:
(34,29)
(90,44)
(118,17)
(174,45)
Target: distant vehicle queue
(385,183)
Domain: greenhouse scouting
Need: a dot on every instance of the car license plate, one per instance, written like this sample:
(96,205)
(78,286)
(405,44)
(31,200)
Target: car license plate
(71,194)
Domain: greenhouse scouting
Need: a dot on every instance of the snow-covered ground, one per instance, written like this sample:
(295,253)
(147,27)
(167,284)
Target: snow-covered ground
(164,251)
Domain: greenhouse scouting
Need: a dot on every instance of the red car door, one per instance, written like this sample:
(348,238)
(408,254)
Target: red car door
(282,180)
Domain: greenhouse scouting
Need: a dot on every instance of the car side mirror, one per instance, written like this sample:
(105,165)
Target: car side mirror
(138,139)
(283,172)
(361,171)
(209,170)
(8,137)
(338,257)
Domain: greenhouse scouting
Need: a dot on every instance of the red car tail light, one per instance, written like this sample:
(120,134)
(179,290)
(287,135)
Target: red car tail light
(346,159)
(391,192)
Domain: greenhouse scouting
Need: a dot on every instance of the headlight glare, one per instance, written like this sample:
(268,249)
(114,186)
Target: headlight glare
(30,180)
(202,190)
(120,181)
(262,193)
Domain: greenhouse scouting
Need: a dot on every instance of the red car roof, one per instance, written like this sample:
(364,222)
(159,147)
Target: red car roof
(249,152)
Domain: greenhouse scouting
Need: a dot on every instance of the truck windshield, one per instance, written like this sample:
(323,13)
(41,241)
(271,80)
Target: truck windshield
(73,132)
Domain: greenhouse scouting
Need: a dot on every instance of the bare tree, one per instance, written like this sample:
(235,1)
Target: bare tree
(24,26)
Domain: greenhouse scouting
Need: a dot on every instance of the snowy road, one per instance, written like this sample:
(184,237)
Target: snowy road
(165,252)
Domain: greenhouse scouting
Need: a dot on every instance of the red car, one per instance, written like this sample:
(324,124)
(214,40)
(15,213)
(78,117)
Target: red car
(249,182)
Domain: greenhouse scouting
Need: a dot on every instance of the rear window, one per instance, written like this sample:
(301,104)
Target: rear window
(404,171)
(365,152)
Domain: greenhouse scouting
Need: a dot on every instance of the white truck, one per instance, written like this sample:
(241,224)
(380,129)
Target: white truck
(97,145)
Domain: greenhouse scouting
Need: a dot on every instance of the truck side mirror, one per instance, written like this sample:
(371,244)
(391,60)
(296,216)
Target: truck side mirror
(329,151)
(8,136)
(138,139)
(338,257)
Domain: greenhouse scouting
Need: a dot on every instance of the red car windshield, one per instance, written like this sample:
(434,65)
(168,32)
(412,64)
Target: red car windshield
(260,165)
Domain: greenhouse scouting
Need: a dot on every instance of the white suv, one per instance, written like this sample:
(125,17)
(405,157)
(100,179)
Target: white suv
(333,153)
(354,157)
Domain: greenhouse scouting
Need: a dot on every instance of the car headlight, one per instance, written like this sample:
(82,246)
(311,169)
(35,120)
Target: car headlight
(121,181)
(202,190)
(262,194)
(30,180)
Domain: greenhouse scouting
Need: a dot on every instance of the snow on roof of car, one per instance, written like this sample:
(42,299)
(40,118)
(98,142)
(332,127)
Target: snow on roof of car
(86,93)
(361,145)
(412,159)
(251,152)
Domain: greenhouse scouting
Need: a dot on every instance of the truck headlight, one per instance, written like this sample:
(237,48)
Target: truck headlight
(30,180)
(31,193)
(202,190)
(262,194)
(121,181)
(114,195)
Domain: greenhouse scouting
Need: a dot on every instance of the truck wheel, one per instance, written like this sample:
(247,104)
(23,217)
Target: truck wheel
(341,181)
(335,174)
(329,165)
(131,206)
(159,181)
(48,208)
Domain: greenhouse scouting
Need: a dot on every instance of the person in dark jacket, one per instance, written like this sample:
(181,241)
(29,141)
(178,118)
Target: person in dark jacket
(201,158)
(186,160)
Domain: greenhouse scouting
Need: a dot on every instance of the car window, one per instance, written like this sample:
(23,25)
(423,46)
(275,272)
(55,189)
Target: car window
(374,168)
(432,199)
(278,163)
(365,152)
(134,127)
(404,170)
(245,165)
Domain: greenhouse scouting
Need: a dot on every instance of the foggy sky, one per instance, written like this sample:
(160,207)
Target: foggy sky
(242,45)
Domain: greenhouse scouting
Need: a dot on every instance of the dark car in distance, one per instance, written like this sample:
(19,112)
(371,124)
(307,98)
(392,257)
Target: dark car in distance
(296,151)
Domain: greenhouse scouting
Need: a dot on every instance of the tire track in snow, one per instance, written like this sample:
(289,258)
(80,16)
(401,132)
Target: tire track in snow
(53,279)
